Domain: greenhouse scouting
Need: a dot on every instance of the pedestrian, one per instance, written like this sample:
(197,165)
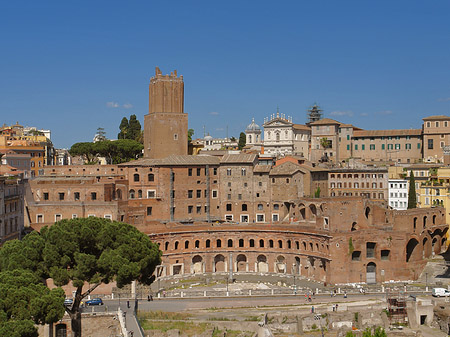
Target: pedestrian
(148,297)
(312,309)
(151,297)
(336,306)
(164,293)
(306,297)
(309,298)
(128,304)
(345,294)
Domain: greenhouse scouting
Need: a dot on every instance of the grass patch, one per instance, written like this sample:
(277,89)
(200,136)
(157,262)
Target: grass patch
(221,319)
(162,316)
(188,328)
(252,319)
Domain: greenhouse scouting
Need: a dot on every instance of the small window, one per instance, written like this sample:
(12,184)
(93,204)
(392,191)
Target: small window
(136,177)
(276,207)
(58,217)
(149,210)
(93,196)
(370,250)
(61,196)
(385,254)
(198,171)
(260,207)
(76,196)
(39,218)
(175,136)
(151,177)
(244,207)
(190,172)
(45,195)
(356,255)
(229,206)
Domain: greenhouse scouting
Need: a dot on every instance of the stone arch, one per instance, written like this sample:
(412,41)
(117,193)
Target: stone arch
(302,211)
(197,264)
(371,273)
(435,245)
(241,263)
(313,209)
(355,226)
(280,265)
(367,212)
(262,265)
(411,250)
(219,263)
(426,249)
(297,265)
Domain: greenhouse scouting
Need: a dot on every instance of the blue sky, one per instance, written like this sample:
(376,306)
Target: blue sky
(72,67)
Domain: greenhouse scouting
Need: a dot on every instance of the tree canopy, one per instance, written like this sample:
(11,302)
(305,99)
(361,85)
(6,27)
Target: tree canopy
(412,198)
(25,301)
(85,251)
(130,129)
(242,141)
(115,151)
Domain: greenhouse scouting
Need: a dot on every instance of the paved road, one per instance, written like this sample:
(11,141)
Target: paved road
(182,304)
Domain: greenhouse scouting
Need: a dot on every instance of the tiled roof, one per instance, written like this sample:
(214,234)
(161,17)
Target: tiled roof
(262,168)
(436,118)
(301,127)
(176,160)
(325,121)
(286,168)
(238,158)
(387,133)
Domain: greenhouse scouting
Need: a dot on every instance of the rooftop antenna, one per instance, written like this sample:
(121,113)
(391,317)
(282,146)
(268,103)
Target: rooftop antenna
(204,134)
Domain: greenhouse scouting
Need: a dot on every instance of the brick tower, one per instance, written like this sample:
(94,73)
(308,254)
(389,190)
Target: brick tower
(166,125)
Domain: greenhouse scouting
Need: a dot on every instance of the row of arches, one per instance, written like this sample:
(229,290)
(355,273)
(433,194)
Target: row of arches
(428,247)
(247,243)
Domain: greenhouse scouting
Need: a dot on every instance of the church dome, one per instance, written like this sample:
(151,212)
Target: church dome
(208,137)
(253,126)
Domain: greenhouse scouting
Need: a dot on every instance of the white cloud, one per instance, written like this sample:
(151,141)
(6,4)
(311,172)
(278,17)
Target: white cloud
(112,104)
(128,105)
(364,114)
(214,113)
(385,112)
(220,129)
(342,113)
(445,99)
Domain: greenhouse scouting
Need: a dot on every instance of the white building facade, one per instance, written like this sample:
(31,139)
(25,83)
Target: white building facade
(398,193)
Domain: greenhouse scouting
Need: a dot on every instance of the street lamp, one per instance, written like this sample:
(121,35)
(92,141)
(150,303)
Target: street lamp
(426,281)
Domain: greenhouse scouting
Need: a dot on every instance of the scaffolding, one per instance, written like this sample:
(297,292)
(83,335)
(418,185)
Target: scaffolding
(396,300)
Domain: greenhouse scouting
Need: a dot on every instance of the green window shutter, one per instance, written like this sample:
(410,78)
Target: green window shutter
(382,146)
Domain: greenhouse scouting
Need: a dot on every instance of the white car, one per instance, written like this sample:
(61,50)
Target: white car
(440,292)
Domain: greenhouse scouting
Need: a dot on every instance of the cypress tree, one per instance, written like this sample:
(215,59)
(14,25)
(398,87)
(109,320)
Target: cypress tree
(412,199)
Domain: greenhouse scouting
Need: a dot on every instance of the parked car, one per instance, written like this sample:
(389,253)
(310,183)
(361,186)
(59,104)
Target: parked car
(440,292)
(95,301)
(68,302)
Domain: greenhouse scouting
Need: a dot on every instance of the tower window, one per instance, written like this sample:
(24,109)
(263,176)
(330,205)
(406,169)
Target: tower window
(175,136)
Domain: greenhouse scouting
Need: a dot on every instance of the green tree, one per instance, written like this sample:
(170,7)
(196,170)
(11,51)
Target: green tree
(317,192)
(412,198)
(87,251)
(242,141)
(85,150)
(25,301)
(190,134)
(134,128)
(100,136)
(127,149)
(123,129)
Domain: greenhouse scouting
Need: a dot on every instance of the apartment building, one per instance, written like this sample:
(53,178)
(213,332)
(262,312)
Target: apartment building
(12,191)
(436,136)
(398,193)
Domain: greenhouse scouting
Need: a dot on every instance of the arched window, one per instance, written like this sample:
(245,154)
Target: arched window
(136,177)
(166,246)
(140,194)
(280,244)
(218,243)
(289,244)
(243,171)
(176,245)
(186,244)
(151,177)
(132,194)
(297,245)
(244,207)
(241,242)
(230,243)
(197,244)
(271,243)
(261,243)
(304,245)
(424,221)
(208,243)
(250,139)
(252,243)
(415,223)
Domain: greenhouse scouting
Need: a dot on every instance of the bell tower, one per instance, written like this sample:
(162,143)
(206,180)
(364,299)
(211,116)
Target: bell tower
(166,125)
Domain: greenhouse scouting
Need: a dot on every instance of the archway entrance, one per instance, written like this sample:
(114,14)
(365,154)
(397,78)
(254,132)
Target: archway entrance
(263,267)
(241,261)
(197,264)
(219,263)
(371,273)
